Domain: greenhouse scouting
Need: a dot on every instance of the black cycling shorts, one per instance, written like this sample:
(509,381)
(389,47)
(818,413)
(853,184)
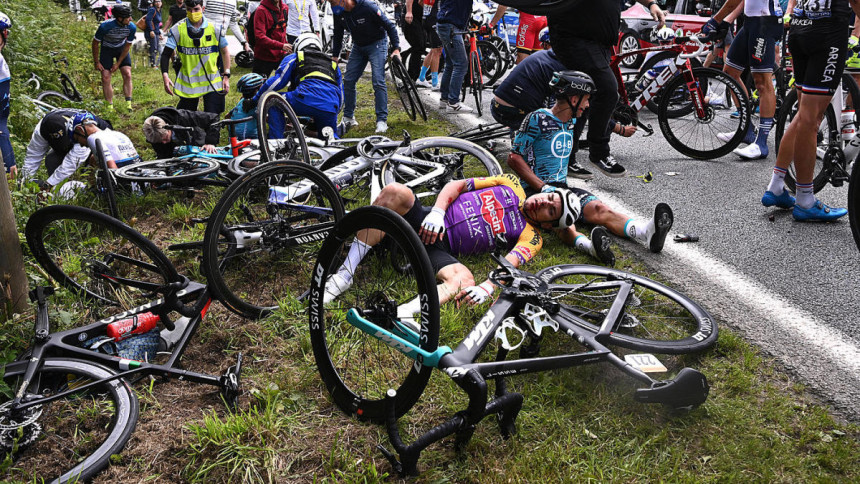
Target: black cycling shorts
(430,34)
(108,56)
(754,45)
(439,251)
(818,59)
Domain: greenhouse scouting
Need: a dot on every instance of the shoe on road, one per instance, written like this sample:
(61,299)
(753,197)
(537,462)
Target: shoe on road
(576,170)
(751,152)
(424,83)
(660,226)
(819,212)
(459,108)
(609,166)
(785,200)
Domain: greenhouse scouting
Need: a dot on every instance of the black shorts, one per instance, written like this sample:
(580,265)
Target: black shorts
(108,56)
(430,34)
(754,44)
(508,116)
(819,60)
(439,251)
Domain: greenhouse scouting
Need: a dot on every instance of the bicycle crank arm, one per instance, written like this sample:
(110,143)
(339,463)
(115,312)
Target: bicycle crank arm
(645,127)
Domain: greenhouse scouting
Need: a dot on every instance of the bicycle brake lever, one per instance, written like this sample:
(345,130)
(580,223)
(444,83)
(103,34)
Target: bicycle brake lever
(407,139)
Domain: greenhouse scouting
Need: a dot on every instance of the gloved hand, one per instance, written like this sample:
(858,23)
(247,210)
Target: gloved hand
(712,28)
(433,226)
(477,294)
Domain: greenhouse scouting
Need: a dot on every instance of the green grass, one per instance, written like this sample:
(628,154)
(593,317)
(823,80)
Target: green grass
(576,425)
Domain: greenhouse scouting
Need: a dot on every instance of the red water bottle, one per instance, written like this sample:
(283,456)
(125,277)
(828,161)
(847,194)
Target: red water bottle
(137,324)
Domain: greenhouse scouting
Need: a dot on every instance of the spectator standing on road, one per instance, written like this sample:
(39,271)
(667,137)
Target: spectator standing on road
(197,45)
(153,31)
(224,15)
(302,16)
(413,31)
(528,31)
(453,17)
(270,34)
(583,38)
(368,25)
(111,47)
(5,81)
(431,61)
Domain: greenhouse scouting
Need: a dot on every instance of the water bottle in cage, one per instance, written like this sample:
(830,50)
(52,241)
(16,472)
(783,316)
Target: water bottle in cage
(137,324)
(645,80)
(849,129)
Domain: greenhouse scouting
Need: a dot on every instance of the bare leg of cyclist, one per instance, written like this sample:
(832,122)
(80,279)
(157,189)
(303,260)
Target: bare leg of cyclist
(808,118)
(126,84)
(106,87)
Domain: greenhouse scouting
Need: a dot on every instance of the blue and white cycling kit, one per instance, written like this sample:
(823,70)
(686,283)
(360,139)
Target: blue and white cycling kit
(545,143)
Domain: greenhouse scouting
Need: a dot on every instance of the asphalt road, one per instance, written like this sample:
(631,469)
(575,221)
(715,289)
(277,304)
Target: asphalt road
(789,287)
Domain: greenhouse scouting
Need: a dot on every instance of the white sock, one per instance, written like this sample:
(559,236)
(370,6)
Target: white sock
(638,229)
(805,195)
(406,313)
(584,244)
(777,181)
(357,251)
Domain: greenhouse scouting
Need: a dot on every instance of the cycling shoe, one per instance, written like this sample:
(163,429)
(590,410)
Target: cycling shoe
(785,200)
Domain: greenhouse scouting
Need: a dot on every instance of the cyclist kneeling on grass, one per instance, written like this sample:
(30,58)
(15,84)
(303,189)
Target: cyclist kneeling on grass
(310,81)
(204,131)
(248,85)
(466,218)
(540,154)
(118,150)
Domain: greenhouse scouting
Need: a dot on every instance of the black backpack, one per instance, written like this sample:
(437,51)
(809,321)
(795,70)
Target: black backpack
(249,27)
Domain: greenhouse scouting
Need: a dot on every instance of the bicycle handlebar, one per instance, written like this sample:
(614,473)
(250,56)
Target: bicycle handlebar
(231,122)
(181,129)
(691,38)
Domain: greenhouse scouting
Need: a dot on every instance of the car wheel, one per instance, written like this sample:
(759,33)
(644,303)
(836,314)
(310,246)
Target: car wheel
(630,41)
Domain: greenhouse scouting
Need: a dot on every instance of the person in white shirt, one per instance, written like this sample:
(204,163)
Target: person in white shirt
(302,17)
(117,148)
(224,15)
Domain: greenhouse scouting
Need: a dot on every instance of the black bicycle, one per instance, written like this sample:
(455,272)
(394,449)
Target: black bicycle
(50,100)
(67,404)
(375,345)
(406,90)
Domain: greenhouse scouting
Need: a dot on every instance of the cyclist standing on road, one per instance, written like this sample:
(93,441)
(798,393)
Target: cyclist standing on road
(540,154)
(583,39)
(111,46)
(310,81)
(50,142)
(434,43)
(369,25)
(528,31)
(5,80)
(753,47)
(453,17)
(818,44)
(197,44)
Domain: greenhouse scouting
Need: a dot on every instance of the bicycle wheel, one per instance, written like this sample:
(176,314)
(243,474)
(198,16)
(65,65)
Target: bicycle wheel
(97,256)
(412,92)
(459,159)
(491,62)
(825,139)
(352,179)
(289,145)
(105,181)
(696,136)
(401,84)
(358,368)
(82,431)
(854,203)
(54,98)
(477,86)
(655,318)
(168,170)
(262,236)
(653,104)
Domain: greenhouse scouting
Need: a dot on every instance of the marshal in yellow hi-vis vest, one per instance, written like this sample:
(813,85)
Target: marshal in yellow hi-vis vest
(199,74)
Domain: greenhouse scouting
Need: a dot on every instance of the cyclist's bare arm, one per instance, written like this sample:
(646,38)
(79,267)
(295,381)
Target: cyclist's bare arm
(524,171)
(500,12)
(727,8)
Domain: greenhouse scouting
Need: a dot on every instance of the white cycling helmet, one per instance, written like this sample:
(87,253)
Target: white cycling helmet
(665,35)
(307,40)
(571,206)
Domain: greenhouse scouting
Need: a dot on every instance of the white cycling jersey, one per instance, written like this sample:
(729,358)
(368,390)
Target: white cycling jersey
(762,8)
(117,147)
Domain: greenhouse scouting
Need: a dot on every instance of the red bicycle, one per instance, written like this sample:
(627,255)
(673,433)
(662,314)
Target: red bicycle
(695,104)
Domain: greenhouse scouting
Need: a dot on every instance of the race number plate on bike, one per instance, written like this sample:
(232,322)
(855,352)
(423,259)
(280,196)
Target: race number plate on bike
(645,362)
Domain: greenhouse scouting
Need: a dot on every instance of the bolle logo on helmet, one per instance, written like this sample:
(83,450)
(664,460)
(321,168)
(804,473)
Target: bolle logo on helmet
(581,86)
(492,212)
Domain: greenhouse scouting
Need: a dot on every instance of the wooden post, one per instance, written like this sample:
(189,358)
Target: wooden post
(13,280)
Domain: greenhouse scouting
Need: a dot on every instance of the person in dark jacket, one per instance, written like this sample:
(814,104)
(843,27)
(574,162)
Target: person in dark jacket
(153,31)
(368,24)
(163,140)
(270,34)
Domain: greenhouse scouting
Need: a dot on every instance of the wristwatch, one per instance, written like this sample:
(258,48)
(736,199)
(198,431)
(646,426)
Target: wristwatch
(226,73)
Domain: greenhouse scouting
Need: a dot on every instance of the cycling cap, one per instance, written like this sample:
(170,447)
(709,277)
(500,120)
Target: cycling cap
(121,10)
(245,59)
(5,22)
(249,84)
(665,34)
(570,208)
(570,83)
(544,35)
(307,40)
(78,119)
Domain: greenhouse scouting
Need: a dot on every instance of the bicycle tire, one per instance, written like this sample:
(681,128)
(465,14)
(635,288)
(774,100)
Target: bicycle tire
(854,203)
(356,368)
(111,413)
(91,254)
(825,138)
(507,56)
(54,98)
(412,92)
(681,325)
(401,81)
(293,145)
(69,88)
(256,251)
(168,170)
(477,84)
(491,62)
(105,180)
(353,188)
(482,164)
(653,104)
(716,120)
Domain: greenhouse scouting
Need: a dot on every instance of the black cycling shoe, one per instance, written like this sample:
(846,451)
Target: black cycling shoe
(663,220)
(609,166)
(575,170)
(600,241)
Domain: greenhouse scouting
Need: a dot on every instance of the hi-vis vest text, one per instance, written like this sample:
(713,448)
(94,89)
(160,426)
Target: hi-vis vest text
(314,64)
(199,74)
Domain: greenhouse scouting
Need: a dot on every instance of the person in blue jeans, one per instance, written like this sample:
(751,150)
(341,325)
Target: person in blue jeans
(453,17)
(5,80)
(368,25)
(153,31)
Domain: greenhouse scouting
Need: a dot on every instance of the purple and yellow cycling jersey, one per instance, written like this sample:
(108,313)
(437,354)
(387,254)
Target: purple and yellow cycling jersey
(489,207)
